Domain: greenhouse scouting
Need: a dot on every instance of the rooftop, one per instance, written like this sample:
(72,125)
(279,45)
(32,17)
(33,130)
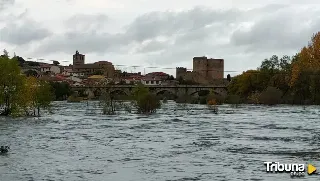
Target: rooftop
(96,77)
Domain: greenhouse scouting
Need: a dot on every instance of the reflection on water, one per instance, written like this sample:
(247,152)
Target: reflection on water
(178,143)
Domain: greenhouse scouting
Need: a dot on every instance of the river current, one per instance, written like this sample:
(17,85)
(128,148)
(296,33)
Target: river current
(178,143)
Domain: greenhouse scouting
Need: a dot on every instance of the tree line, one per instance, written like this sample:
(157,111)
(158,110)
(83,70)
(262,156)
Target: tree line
(24,94)
(287,79)
(19,94)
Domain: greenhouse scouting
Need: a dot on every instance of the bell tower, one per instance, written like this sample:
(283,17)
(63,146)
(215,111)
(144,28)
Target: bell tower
(78,59)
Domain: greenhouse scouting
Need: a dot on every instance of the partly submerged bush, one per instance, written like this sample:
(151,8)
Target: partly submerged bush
(203,100)
(148,103)
(254,98)
(144,101)
(74,98)
(184,98)
(218,99)
(271,96)
(234,100)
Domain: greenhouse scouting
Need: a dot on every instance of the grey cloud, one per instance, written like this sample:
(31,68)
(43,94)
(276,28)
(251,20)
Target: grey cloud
(196,32)
(145,27)
(153,46)
(23,33)
(286,29)
(87,21)
(155,24)
(85,42)
(5,4)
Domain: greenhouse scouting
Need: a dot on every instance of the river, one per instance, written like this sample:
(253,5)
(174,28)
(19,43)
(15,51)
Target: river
(179,143)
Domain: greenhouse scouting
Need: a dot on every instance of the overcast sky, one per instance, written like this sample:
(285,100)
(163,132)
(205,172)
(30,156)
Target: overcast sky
(166,33)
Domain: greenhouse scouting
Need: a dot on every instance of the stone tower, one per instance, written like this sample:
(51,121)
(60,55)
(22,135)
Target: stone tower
(180,72)
(209,68)
(78,59)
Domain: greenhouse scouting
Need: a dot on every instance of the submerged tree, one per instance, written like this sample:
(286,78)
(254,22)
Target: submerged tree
(11,82)
(144,101)
(18,93)
(108,103)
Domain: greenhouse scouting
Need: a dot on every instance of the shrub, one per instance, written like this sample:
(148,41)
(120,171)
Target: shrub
(185,98)
(254,98)
(203,100)
(217,98)
(271,96)
(148,103)
(145,102)
(74,98)
(233,99)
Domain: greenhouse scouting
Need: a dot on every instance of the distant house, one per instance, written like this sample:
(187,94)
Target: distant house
(55,69)
(77,84)
(45,68)
(75,79)
(50,68)
(133,79)
(158,75)
(77,73)
(151,81)
(67,72)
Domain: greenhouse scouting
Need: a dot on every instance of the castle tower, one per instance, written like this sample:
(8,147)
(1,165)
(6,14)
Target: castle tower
(215,68)
(78,59)
(200,65)
(180,72)
(209,68)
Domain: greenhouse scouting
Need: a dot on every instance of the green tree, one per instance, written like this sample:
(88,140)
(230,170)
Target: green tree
(145,101)
(11,82)
(56,63)
(61,90)
(44,96)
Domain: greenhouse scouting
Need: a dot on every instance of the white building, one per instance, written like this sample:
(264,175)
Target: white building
(55,69)
(45,68)
(151,81)
(75,79)
(66,72)
(77,84)
(77,74)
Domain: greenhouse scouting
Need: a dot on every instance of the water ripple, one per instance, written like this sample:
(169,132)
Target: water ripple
(179,143)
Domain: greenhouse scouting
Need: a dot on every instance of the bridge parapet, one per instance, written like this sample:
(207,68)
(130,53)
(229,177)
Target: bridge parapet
(175,89)
(154,86)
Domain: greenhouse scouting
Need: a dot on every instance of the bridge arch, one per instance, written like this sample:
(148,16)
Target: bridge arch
(127,93)
(161,91)
(205,90)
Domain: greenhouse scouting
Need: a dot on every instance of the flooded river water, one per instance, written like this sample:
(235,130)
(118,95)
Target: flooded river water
(178,143)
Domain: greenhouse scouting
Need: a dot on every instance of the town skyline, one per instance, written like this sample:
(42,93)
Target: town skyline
(164,34)
(125,67)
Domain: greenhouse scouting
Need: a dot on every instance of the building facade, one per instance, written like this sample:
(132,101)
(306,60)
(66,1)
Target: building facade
(78,59)
(209,67)
(205,70)
(180,72)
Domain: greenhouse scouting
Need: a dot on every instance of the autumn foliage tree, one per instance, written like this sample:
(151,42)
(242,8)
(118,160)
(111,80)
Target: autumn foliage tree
(296,77)
(19,94)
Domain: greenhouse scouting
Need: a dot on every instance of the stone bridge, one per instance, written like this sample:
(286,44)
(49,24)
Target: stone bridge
(176,90)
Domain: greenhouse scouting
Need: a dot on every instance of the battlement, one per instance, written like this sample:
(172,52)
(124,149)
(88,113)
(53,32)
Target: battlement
(200,58)
(182,68)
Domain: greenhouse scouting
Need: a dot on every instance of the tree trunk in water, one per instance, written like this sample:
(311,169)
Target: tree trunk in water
(38,111)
